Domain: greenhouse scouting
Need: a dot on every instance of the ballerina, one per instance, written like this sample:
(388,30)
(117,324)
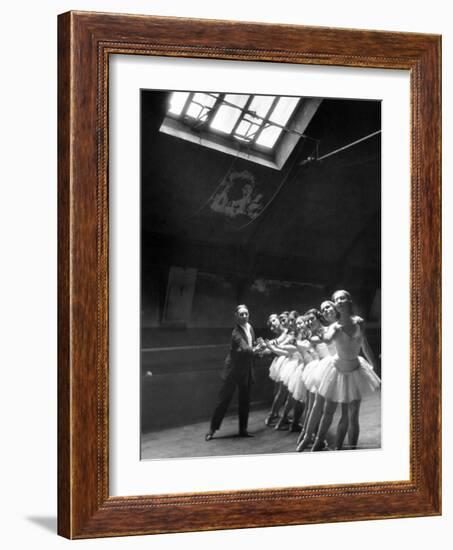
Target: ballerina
(347,377)
(330,315)
(296,386)
(276,326)
(287,368)
(275,347)
(292,357)
(283,318)
(313,372)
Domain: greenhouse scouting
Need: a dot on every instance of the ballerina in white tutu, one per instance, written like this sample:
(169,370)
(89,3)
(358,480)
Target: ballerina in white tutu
(291,373)
(283,318)
(296,386)
(347,377)
(287,367)
(276,324)
(303,346)
(313,372)
(330,315)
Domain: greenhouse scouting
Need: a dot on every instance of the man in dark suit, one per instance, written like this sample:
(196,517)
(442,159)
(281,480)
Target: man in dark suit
(237,372)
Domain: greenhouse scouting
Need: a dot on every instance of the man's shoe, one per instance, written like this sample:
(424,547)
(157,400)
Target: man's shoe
(245,434)
(209,436)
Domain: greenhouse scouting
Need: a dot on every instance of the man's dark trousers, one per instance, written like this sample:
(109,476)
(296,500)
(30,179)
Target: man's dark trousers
(237,372)
(224,398)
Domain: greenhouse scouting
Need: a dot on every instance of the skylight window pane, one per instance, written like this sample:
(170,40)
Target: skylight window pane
(280,115)
(261,104)
(177,102)
(283,110)
(201,104)
(253,130)
(227,115)
(269,136)
(243,127)
(246,130)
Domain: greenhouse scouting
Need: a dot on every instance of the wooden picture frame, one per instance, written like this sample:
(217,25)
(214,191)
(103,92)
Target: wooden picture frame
(85,41)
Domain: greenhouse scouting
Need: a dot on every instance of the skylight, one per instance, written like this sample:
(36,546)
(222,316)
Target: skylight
(255,120)
(228,113)
(201,105)
(280,115)
(259,128)
(177,102)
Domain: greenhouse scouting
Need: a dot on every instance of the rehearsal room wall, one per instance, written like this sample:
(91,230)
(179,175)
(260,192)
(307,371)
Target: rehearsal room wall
(321,232)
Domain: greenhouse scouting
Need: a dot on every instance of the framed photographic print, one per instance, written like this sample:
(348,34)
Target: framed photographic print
(249,275)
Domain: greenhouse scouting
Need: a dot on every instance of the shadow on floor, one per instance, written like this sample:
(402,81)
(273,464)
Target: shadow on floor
(49,523)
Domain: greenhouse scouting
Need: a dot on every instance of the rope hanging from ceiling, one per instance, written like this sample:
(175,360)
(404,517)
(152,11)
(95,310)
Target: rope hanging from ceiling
(310,159)
(335,151)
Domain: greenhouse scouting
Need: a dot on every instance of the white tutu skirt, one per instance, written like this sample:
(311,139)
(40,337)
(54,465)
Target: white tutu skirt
(313,374)
(346,380)
(288,368)
(274,369)
(296,385)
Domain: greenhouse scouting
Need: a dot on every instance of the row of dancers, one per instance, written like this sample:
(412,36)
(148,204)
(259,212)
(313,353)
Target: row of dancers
(318,365)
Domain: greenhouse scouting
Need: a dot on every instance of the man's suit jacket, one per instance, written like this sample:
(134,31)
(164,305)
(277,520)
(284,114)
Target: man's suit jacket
(238,365)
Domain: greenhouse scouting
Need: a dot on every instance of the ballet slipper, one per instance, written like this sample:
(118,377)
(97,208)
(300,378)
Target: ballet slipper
(303,445)
(271,419)
(295,427)
(282,425)
(320,445)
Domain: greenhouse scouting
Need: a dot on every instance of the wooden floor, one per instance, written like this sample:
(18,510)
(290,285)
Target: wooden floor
(188,441)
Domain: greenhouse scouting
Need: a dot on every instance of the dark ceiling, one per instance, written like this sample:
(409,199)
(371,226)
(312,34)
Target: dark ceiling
(319,221)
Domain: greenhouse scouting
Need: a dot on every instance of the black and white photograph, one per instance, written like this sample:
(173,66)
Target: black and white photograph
(260,272)
(227,275)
